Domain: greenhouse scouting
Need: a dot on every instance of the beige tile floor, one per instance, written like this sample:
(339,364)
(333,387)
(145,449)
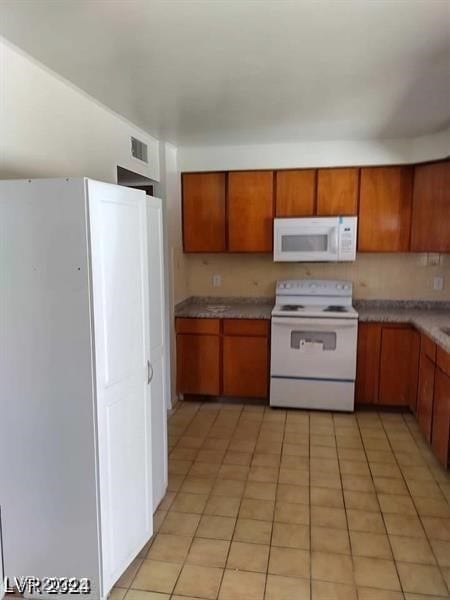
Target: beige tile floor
(289,505)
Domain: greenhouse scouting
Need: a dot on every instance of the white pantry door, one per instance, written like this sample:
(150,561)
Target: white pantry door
(158,387)
(118,231)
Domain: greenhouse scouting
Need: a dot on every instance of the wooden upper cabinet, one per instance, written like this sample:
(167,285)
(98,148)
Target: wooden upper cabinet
(250,211)
(204,212)
(296,193)
(431,208)
(385,209)
(368,363)
(337,191)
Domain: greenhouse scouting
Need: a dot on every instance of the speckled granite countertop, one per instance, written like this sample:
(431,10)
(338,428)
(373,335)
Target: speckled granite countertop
(427,317)
(206,307)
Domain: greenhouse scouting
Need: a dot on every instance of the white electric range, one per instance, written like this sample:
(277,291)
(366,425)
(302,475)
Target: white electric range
(313,348)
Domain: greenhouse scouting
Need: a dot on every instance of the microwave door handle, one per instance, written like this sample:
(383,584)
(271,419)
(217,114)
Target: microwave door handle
(334,240)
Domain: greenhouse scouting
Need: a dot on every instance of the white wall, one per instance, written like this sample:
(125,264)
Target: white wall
(50,128)
(176,260)
(315,154)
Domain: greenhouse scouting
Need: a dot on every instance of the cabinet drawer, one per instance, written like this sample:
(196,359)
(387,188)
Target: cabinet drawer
(249,327)
(443,360)
(199,326)
(428,347)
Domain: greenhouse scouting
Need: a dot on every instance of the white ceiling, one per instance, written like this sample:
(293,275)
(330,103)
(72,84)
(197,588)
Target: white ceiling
(211,72)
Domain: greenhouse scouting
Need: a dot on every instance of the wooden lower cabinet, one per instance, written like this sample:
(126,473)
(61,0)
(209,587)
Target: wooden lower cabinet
(425,394)
(198,360)
(368,363)
(245,362)
(387,365)
(228,357)
(399,361)
(441,417)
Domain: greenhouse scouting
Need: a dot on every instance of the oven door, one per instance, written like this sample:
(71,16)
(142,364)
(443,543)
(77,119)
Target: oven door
(308,240)
(314,348)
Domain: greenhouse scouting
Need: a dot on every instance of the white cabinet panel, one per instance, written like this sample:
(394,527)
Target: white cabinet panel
(120,300)
(158,386)
(74,378)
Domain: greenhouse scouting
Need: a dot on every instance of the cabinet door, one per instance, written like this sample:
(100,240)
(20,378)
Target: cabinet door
(431,208)
(250,211)
(337,192)
(121,325)
(385,209)
(398,366)
(441,417)
(204,212)
(295,193)
(425,394)
(414,370)
(245,366)
(198,364)
(368,363)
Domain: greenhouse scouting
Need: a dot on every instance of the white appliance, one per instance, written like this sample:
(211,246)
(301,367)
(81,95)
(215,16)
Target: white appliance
(83,445)
(326,239)
(313,348)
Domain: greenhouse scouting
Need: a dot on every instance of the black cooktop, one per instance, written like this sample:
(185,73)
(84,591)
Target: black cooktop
(292,307)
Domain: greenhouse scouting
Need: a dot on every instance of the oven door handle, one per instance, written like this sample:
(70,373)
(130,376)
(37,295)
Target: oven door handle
(315,323)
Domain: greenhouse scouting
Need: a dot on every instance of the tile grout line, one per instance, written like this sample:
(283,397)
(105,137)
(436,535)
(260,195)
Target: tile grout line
(152,539)
(178,491)
(237,515)
(388,428)
(381,511)
(310,509)
(417,512)
(378,502)
(343,500)
(275,505)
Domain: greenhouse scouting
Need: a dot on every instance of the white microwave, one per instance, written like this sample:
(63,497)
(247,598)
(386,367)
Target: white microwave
(310,239)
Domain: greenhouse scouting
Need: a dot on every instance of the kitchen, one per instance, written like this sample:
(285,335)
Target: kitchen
(391,214)
(275,299)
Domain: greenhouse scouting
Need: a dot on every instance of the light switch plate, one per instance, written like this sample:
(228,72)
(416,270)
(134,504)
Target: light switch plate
(216,280)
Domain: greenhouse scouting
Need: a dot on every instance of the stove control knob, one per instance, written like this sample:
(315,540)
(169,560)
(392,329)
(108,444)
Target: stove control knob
(287,285)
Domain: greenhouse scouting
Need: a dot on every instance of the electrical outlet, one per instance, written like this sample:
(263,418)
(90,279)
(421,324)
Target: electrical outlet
(216,280)
(434,259)
(438,283)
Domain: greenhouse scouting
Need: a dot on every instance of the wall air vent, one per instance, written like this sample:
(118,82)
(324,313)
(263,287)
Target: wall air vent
(139,150)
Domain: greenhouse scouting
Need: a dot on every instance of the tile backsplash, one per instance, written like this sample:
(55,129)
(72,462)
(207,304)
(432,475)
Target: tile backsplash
(374,276)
